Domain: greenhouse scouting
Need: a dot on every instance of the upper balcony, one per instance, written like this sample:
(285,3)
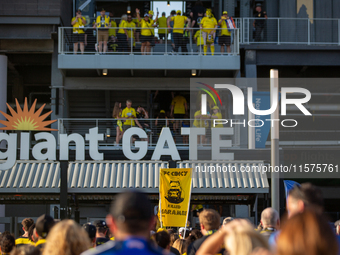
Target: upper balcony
(289,32)
(127,55)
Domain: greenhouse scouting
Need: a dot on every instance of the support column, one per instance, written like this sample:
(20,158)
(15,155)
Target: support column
(250,64)
(57,89)
(3,107)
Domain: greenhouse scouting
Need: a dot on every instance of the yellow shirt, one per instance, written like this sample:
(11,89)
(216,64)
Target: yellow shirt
(112,31)
(129,112)
(162,25)
(103,21)
(200,122)
(179,22)
(219,116)
(199,38)
(208,23)
(22,241)
(146,28)
(122,26)
(130,27)
(224,25)
(79,24)
(179,104)
(136,21)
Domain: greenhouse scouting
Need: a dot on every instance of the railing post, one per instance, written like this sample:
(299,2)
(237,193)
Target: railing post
(62,46)
(59,40)
(166,42)
(131,41)
(278,31)
(338,31)
(308,25)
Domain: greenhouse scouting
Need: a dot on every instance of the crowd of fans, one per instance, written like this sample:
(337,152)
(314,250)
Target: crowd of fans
(199,26)
(175,118)
(130,229)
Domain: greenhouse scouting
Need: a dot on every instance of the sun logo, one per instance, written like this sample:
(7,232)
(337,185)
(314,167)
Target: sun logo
(25,119)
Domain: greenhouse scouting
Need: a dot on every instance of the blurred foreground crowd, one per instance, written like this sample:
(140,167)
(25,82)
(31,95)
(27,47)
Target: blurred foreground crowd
(130,229)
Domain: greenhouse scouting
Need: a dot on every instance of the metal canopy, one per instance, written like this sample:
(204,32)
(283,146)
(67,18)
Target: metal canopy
(110,177)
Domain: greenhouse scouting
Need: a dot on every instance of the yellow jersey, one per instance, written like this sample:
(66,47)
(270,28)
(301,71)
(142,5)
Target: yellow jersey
(146,28)
(122,26)
(136,21)
(179,22)
(103,21)
(22,241)
(162,25)
(208,23)
(130,28)
(179,104)
(224,25)
(219,116)
(129,112)
(78,26)
(200,122)
(112,30)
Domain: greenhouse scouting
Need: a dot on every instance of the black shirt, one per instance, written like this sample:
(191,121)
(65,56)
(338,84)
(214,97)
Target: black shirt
(174,251)
(261,14)
(193,248)
(101,240)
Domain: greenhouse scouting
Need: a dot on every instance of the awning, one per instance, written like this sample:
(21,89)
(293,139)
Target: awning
(110,177)
(31,176)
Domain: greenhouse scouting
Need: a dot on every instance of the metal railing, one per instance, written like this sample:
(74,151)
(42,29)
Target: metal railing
(189,43)
(152,127)
(305,31)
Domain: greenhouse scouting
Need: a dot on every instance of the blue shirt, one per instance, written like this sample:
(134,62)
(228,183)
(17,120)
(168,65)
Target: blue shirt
(131,246)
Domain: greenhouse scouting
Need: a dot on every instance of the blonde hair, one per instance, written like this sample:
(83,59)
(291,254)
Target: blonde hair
(124,17)
(179,244)
(66,238)
(243,240)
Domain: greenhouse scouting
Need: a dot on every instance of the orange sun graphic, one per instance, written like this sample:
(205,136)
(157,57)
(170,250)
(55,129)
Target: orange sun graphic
(25,119)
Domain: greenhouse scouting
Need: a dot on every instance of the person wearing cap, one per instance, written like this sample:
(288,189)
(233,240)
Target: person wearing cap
(259,22)
(78,22)
(227,220)
(184,233)
(131,219)
(178,30)
(91,231)
(208,26)
(24,239)
(227,24)
(103,23)
(216,115)
(146,37)
(42,227)
(162,30)
(131,31)
(102,229)
(201,121)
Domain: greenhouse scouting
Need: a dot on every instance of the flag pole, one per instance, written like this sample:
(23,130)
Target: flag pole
(160,200)
(186,220)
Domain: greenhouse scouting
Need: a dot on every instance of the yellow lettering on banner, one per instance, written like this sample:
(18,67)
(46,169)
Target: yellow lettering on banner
(174,191)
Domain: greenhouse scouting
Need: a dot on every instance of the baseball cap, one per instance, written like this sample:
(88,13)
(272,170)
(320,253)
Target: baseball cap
(162,111)
(225,12)
(132,205)
(146,15)
(215,107)
(90,229)
(78,10)
(258,5)
(151,12)
(43,225)
(102,10)
(181,231)
(178,12)
(227,220)
(100,224)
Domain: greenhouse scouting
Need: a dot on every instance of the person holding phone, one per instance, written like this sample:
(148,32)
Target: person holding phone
(78,22)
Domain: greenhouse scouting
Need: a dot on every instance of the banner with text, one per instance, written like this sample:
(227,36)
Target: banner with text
(174,192)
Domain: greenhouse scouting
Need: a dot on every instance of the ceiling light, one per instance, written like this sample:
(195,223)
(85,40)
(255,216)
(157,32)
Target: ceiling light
(104,71)
(193,72)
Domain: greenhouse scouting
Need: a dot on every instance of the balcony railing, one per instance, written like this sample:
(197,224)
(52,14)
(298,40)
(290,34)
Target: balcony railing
(191,44)
(152,128)
(305,31)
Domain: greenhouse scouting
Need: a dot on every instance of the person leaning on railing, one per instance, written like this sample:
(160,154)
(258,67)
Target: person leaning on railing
(78,22)
(103,23)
